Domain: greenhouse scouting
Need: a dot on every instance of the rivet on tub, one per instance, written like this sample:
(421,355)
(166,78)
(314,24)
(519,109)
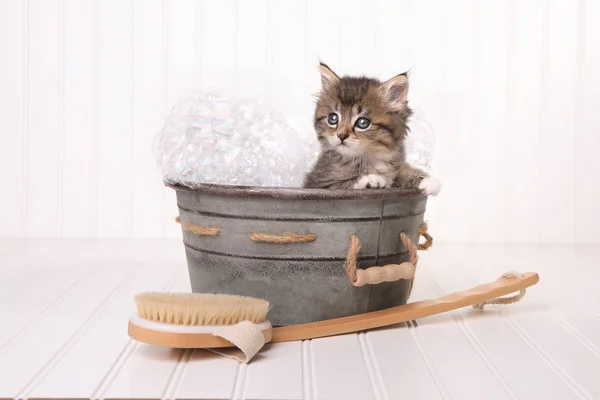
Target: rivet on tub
(199,229)
(375,275)
(287,237)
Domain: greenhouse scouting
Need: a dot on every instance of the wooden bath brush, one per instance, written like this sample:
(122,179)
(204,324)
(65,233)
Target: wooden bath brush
(216,321)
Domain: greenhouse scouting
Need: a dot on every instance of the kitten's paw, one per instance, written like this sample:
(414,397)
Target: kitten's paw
(372,181)
(430,186)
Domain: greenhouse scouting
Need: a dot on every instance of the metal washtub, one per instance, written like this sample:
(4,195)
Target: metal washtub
(305,281)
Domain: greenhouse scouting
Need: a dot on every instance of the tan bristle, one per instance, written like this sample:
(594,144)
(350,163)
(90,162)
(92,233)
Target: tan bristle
(200,308)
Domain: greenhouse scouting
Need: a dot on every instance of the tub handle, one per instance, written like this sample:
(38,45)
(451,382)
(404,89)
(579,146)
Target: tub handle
(428,239)
(376,275)
(287,237)
(199,229)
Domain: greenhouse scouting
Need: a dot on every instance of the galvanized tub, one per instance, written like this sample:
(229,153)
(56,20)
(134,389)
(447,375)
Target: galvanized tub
(307,281)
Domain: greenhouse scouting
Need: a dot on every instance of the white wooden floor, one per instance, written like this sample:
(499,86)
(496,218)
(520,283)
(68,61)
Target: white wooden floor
(64,307)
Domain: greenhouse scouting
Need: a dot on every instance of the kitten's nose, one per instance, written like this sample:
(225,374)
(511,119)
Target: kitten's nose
(343,136)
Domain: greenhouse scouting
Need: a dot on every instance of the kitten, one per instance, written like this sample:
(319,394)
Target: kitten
(361,124)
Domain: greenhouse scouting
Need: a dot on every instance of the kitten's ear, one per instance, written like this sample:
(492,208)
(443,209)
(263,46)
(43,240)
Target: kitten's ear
(328,77)
(395,91)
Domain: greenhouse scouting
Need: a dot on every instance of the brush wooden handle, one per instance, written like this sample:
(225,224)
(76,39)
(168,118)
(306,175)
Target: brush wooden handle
(408,312)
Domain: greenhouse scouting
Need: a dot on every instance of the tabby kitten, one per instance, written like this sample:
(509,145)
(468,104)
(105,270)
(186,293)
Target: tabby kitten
(361,124)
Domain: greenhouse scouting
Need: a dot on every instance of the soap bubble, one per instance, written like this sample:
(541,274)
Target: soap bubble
(420,142)
(209,139)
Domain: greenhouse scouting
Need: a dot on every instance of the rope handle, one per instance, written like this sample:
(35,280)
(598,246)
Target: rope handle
(287,237)
(504,300)
(375,275)
(428,239)
(199,229)
(387,273)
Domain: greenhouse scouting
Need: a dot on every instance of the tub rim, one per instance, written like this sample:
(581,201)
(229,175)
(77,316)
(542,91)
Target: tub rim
(295,193)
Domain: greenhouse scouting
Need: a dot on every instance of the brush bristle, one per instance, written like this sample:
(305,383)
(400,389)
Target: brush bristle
(200,308)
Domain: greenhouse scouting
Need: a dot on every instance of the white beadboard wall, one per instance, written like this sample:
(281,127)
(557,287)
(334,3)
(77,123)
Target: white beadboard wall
(511,88)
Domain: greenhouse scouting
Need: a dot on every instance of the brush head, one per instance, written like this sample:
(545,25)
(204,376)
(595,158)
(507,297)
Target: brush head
(194,309)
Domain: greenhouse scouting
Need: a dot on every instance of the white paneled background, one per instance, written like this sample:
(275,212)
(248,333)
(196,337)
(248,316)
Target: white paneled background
(511,88)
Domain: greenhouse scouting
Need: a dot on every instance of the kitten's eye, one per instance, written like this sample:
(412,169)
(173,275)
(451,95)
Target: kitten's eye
(362,123)
(333,119)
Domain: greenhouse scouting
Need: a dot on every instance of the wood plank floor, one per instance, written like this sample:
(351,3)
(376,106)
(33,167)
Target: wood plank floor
(64,306)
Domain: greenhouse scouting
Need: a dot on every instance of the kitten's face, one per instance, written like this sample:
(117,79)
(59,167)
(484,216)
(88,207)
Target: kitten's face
(361,115)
